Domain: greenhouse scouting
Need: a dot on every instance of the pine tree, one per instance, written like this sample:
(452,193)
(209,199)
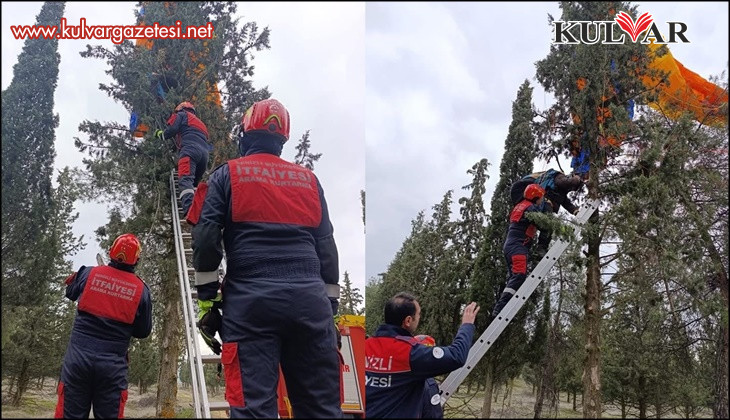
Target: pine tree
(490,270)
(135,175)
(304,157)
(350,298)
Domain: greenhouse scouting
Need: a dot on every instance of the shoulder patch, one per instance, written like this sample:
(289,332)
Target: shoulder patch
(438,352)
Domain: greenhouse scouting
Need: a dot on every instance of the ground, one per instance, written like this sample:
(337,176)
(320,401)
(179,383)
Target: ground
(41,403)
(521,403)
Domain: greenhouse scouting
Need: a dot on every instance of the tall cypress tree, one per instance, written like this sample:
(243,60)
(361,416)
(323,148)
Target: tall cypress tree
(135,174)
(490,270)
(28,135)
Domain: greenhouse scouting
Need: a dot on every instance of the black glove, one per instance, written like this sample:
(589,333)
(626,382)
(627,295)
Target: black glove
(210,322)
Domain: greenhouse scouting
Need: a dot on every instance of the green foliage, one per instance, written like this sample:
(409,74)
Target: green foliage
(489,270)
(304,157)
(134,175)
(28,127)
(548,221)
(350,298)
(144,362)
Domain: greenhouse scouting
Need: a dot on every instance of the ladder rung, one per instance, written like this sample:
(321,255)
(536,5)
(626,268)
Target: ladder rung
(194,294)
(188,252)
(187,236)
(211,358)
(218,405)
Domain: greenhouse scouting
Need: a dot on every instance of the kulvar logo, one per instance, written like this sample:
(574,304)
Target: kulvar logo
(609,31)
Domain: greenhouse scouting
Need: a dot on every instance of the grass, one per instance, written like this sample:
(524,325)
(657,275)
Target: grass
(41,403)
(520,403)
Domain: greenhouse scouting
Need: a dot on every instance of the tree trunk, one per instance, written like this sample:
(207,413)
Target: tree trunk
(546,384)
(488,388)
(22,383)
(169,348)
(720,408)
(575,403)
(592,361)
(540,396)
(642,408)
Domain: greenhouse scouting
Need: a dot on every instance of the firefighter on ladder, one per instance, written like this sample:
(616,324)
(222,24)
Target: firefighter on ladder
(520,238)
(191,139)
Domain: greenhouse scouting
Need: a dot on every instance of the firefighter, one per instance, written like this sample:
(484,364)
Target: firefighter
(397,365)
(281,288)
(431,398)
(557,185)
(520,236)
(191,139)
(113,305)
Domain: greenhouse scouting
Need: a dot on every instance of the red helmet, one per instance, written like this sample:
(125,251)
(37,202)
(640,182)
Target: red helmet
(533,192)
(267,115)
(125,249)
(184,105)
(426,340)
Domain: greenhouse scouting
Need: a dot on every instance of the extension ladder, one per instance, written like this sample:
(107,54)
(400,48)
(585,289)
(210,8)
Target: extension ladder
(477,351)
(183,248)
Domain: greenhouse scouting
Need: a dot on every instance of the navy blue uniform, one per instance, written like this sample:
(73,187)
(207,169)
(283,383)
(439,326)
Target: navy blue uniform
(520,236)
(556,185)
(281,285)
(397,367)
(191,138)
(432,401)
(113,306)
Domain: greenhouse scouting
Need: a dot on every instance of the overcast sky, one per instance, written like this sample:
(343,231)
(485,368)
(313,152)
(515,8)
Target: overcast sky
(315,67)
(434,81)
(441,79)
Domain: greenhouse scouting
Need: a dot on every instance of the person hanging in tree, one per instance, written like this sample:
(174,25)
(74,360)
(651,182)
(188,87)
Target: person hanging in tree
(556,185)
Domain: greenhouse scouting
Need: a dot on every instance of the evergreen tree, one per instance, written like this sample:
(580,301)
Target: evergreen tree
(592,85)
(135,175)
(350,298)
(304,157)
(663,232)
(28,135)
(37,334)
(374,303)
(490,270)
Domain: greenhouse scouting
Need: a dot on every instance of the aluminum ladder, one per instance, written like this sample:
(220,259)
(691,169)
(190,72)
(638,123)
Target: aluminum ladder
(479,349)
(183,240)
